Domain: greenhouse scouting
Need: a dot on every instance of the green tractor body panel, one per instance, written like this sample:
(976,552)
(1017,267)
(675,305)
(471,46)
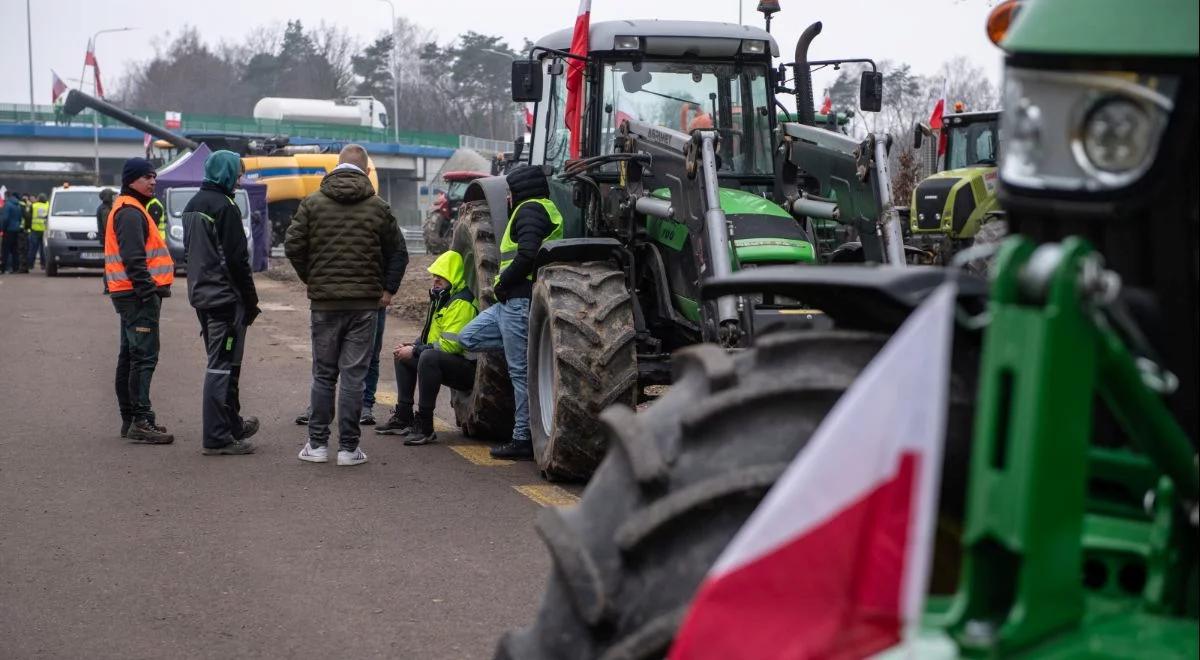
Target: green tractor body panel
(954,202)
(763,232)
(1163,28)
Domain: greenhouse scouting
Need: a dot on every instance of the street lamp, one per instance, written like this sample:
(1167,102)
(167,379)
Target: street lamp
(95,122)
(395,74)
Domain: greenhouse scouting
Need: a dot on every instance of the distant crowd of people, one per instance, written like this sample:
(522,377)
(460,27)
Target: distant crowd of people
(345,245)
(22,225)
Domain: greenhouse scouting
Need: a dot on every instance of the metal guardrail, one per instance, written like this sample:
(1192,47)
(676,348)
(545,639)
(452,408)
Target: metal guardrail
(484,144)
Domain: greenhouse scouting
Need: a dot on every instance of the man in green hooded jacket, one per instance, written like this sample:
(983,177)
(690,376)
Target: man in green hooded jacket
(221,288)
(436,358)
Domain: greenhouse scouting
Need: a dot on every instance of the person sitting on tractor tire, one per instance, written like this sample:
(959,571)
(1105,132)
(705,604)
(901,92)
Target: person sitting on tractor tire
(534,220)
(436,358)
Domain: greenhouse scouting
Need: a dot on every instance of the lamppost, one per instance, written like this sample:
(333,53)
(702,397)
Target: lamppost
(29,41)
(95,122)
(395,74)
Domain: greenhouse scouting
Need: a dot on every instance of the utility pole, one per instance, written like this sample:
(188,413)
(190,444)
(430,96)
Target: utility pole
(95,90)
(29,42)
(395,74)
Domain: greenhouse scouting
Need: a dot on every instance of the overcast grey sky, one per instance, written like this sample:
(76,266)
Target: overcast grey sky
(882,29)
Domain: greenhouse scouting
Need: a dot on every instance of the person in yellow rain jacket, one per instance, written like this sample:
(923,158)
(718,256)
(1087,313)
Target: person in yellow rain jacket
(436,358)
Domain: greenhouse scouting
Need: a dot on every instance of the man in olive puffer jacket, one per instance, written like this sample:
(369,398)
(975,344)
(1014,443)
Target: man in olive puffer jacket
(345,245)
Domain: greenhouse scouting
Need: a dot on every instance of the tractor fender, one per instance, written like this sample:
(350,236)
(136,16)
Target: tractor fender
(576,250)
(494,191)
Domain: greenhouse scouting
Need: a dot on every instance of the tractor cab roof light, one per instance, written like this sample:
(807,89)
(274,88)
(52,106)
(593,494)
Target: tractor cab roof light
(753,47)
(627,43)
(1001,19)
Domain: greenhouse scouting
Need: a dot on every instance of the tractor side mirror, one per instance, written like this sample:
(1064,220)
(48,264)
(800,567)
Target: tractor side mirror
(870,91)
(526,81)
(918,137)
(634,81)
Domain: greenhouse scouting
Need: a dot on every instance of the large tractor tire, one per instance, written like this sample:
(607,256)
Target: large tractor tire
(681,478)
(436,234)
(582,359)
(486,412)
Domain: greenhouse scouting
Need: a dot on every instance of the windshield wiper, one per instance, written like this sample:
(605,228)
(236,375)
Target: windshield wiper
(668,96)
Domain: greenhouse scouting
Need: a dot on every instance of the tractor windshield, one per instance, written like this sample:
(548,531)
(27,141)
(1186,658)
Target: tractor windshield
(971,144)
(685,96)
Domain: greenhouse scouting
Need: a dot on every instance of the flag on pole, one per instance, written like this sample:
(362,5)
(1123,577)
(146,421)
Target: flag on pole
(90,60)
(827,104)
(835,560)
(936,121)
(528,119)
(57,87)
(575,68)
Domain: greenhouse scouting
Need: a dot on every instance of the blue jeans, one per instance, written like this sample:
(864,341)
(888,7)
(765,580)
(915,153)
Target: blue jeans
(372,381)
(36,249)
(506,325)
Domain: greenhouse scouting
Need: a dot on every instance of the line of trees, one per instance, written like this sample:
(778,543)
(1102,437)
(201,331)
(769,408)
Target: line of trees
(456,87)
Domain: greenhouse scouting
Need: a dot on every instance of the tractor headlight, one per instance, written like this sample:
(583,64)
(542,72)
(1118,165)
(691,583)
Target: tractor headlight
(1081,131)
(753,47)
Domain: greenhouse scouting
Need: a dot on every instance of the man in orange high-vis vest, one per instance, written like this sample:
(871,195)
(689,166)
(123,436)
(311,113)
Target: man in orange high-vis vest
(138,272)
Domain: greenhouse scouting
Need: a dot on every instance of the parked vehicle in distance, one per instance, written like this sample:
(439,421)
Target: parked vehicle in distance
(176,199)
(72,239)
(355,111)
(439,222)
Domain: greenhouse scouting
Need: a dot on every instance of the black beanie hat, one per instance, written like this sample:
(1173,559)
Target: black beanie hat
(135,168)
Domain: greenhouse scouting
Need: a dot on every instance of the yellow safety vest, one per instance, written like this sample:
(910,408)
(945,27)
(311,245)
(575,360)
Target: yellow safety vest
(508,247)
(41,211)
(159,215)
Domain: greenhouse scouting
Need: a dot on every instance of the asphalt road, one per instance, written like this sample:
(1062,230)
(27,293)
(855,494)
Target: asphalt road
(112,550)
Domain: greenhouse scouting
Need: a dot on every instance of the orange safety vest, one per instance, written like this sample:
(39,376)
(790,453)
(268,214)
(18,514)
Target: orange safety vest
(158,257)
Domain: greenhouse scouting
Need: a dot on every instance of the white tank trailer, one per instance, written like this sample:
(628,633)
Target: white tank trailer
(354,111)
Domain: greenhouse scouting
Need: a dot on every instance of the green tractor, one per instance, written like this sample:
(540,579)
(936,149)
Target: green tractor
(1068,515)
(950,207)
(675,184)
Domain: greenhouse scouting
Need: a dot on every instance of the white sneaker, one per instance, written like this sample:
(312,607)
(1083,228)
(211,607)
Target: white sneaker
(315,454)
(351,457)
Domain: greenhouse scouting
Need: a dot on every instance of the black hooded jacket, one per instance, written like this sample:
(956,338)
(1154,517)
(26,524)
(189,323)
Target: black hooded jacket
(529,228)
(218,260)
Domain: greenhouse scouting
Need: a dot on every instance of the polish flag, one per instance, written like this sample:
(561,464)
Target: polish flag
(528,119)
(57,87)
(936,121)
(834,563)
(90,60)
(827,104)
(575,68)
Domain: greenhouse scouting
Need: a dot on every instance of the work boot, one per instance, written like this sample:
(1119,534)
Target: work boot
(421,432)
(302,419)
(126,422)
(249,427)
(398,423)
(514,450)
(143,432)
(368,417)
(235,448)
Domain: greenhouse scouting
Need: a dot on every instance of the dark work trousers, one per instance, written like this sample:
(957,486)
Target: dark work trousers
(138,356)
(427,374)
(372,382)
(224,333)
(341,346)
(36,250)
(10,252)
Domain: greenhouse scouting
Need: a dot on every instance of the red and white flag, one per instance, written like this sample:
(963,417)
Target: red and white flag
(936,121)
(90,60)
(528,119)
(57,87)
(834,563)
(827,104)
(579,46)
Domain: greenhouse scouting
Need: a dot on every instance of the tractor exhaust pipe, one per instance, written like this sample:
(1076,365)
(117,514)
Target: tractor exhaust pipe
(77,101)
(804,89)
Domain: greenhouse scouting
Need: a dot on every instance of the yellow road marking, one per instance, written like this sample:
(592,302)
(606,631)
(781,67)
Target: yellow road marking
(547,494)
(478,454)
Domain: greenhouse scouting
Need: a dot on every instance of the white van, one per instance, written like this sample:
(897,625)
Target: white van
(72,237)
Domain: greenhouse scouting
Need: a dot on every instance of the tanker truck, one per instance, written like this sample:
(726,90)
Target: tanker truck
(355,111)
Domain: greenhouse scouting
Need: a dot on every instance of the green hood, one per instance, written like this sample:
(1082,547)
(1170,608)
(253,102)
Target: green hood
(449,266)
(223,168)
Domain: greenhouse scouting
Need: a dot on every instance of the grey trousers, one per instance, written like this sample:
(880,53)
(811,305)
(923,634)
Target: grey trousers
(224,332)
(341,346)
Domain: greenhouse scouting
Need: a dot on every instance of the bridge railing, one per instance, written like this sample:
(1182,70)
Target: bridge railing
(45,114)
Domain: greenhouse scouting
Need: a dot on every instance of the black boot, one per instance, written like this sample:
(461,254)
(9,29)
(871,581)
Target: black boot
(398,423)
(421,432)
(146,432)
(514,450)
(126,422)
(249,427)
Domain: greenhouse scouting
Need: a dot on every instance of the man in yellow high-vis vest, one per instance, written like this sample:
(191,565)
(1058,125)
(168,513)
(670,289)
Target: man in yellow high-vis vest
(37,227)
(534,220)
